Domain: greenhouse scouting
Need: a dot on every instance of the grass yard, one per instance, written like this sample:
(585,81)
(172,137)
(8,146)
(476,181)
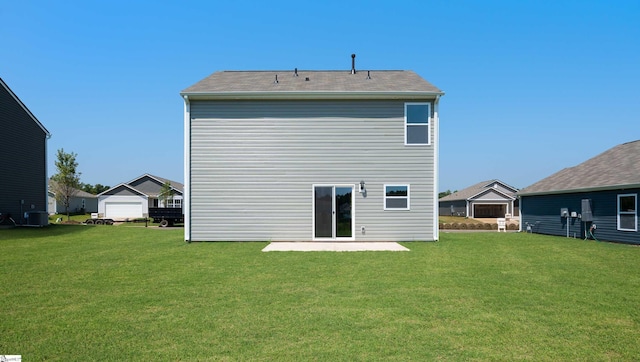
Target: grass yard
(79,293)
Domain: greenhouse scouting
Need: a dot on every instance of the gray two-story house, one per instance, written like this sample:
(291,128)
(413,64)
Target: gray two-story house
(23,164)
(311,156)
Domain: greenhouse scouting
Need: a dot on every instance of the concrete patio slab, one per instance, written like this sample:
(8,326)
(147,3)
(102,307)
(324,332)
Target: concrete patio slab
(337,246)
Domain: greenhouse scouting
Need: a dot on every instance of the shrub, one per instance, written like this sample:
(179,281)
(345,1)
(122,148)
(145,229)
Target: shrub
(447,226)
(455,226)
(463,226)
(486,226)
(513,227)
(440,225)
(494,226)
(471,226)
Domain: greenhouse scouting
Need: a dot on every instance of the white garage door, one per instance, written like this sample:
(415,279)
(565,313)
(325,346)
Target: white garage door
(122,210)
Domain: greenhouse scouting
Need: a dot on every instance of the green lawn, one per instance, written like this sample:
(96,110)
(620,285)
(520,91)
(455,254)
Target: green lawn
(80,293)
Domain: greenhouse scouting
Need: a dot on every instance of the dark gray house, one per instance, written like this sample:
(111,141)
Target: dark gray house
(599,195)
(311,156)
(23,176)
(486,199)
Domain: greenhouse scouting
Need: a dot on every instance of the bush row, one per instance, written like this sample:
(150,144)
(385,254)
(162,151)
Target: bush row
(475,226)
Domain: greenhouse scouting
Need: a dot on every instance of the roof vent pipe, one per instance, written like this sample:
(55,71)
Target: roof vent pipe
(353,64)
(295,72)
(368,74)
(276,81)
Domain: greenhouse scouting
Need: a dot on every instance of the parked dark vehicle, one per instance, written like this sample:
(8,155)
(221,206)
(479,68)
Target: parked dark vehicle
(166,216)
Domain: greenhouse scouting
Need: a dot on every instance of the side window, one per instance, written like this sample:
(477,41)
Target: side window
(396,197)
(627,212)
(416,123)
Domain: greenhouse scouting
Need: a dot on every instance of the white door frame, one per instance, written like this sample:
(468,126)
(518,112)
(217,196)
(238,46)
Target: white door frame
(334,215)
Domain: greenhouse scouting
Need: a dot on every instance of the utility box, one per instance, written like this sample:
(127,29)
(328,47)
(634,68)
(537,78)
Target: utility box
(564,212)
(37,218)
(587,214)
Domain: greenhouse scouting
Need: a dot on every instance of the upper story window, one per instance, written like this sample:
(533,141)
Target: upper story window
(396,197)
(416,123)
(627,212)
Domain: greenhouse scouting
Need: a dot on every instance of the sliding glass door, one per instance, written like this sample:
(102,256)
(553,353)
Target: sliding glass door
(333,212)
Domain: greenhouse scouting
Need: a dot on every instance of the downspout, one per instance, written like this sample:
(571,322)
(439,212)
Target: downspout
(46,175)
(187,169)
(520,213)
(436,168)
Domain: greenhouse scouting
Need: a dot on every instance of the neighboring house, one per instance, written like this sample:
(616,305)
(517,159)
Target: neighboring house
(600,193)
(486,199)
(311,155)
(23,146)
(132,200)
(81,202)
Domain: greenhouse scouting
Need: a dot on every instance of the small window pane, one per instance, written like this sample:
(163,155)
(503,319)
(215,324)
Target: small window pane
(628,222)
(397,203)
(418,113)
(396,191)
(417,134)
(627,204)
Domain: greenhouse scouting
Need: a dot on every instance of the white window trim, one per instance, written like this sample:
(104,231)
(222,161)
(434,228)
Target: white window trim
(385,197)
(428,124)
(634,213)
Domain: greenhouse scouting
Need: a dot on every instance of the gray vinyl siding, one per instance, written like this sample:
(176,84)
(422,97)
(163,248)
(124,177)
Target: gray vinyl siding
(254,164)
(23,174)
(542,212)
(147,185)
(122,191)
(491,196)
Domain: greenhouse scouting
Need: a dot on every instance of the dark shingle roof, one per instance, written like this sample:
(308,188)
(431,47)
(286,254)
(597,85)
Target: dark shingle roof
(615,168)
(176,185)
(388,81)
(476,189)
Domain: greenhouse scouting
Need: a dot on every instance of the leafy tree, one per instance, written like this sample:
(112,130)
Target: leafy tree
(445,193)
(99,188)
(166,193)
(94,189)
(67,179)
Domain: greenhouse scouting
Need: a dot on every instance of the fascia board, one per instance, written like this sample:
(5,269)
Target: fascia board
(503,184)
(125,185)
(582,190)
(471,198)
(24,107)
(310,95)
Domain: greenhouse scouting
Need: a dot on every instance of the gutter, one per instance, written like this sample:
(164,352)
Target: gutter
(436,168)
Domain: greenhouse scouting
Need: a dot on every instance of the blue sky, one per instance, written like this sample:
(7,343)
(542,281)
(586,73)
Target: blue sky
(531,86)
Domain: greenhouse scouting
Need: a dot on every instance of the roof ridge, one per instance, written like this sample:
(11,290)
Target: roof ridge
(310,70)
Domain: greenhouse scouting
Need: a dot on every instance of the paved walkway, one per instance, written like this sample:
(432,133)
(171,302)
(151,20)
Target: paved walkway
(337,246)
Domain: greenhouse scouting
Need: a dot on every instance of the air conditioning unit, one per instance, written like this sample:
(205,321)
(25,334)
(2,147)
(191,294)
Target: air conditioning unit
(37,218)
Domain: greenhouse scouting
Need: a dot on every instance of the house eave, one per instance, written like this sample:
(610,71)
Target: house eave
(24,107)
(294,95)
(580,190)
